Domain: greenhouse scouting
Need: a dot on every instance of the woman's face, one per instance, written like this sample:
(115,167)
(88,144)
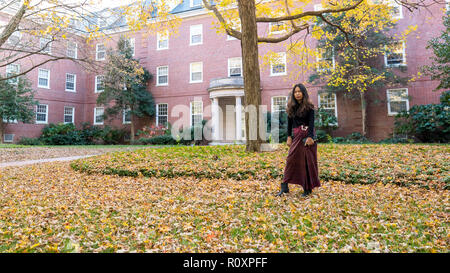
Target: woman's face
(298,94)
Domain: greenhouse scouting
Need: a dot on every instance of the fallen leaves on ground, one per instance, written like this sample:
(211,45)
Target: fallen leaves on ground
(401,164)
(34,153)
(51,208)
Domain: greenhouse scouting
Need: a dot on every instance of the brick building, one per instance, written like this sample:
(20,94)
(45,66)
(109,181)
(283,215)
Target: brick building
(199,70)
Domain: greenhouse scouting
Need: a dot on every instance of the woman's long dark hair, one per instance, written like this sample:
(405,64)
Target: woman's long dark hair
(295,108)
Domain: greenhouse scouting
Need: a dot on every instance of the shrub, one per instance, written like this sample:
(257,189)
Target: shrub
(427,123)
(282,129)
(61,134)
(112,136)
(353,138)
(29,141)
(323,137)
(157,140)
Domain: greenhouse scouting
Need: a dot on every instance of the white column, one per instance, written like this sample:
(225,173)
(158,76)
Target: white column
(238,118)
(215,119)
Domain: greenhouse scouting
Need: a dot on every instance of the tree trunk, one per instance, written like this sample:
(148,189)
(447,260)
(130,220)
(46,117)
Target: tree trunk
(363,113)
(132,128)
(252,90)
(2,128)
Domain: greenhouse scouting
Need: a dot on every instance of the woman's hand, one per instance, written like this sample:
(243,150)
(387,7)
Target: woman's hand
(289,141)
(309,141)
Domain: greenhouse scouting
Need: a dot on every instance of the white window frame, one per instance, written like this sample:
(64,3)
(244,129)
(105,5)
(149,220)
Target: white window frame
(447,5)
(190,72)
(96,81)
(191,113)
(17,34)
(46,114)
(158,115)
(97,52)
(132,42)
(271,24)
(192,31)
(403,53)
(392,4)
(320,58)
(229,65)
(95,116)
(74,83)
(44,41)
(238,28)
(124,115)
(73,114)
(10,71)
(272,99)
(48,79)
(158,75)
(335,105)
(285,66)
(162,37)
(7,140)
(388,99)
(191,4)
(75,56)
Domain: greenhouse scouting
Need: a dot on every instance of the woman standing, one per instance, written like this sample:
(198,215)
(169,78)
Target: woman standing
(301,163)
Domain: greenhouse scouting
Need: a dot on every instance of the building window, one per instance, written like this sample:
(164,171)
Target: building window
(278,64)
(8,138)
(447,5)
(41,114)
(132,45)
(162,73)
(396,8)
(98,115)
(196,113)
(196,34)
(12,69)
(327,101)
(99,87)
(100,52)
(126,119)
(195,3)
(395,54)
(69,115)
(397,100)
(279,104)
(162,40)
(235,67)
(44,78)
(46,45)
(162,114)
(72,50)
(277,27)
(325,59)
(196,70)
(71,82)
(14,39)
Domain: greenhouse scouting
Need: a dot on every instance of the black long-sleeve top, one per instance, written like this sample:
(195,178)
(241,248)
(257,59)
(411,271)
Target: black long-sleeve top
(307,119)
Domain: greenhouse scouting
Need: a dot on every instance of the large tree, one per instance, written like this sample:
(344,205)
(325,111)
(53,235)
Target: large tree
(440,68)
(298,18)
(16,103)
(125,86)
(359,70)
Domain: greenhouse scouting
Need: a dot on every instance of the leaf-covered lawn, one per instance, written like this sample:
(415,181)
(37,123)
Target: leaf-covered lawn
(10,153)
(52,208)
(403,164)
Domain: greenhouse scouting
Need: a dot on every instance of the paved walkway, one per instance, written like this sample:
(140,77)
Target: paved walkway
(29,162)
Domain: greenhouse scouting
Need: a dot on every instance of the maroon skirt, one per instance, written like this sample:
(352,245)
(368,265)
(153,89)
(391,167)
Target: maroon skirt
(301,163)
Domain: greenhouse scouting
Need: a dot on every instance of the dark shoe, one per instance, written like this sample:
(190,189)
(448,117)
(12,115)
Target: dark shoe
(306,193)
(284,189)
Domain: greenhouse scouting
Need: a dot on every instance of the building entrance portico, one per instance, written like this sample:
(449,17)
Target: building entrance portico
(227,96)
